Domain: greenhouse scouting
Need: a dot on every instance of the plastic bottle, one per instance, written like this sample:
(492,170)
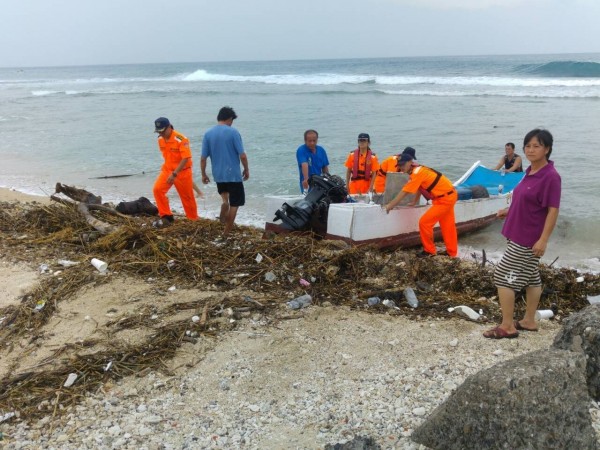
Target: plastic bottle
(500,188)
(373,301)
(300,302)
(411,297)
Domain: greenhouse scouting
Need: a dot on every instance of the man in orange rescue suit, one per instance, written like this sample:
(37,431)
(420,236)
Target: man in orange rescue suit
(362,167)
(176,170)
(431,184)
(389,165)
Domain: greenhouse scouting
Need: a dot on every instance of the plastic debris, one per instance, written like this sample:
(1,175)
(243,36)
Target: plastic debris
(40,305)
(259,258)
(44,268)
(171,263)
(108,366)
(593,300)
(67,263)
(580,279)
(100,266)
(270,277)
(389,303)
(195,319)
(371,301)
(411,297)
(7,416)
(300,302)
(465,311)
(172,288)
(70,380)
(304,283)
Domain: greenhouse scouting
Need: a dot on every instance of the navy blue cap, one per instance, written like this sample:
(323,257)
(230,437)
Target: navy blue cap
(405,157)
(160,124)
(364,136)
(411,151)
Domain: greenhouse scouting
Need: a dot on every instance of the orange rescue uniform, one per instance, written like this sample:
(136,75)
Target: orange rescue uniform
(174,149)
(360,185)
(388,165)
(444,196)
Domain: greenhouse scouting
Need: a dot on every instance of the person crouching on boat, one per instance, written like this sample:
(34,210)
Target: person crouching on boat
(431,184)
(389,165)
(362,167)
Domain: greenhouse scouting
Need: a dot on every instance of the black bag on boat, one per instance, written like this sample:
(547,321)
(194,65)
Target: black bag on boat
(140,206)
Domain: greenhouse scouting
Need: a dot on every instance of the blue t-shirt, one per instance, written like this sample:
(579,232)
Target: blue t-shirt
(223,145)
(316,161)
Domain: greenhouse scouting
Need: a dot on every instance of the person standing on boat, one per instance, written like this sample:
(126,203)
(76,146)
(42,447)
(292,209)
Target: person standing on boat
(530,221)
(176,170)
(362,167)
(431,184)
(511,161)
(223,145)
(389,165)
(312,159)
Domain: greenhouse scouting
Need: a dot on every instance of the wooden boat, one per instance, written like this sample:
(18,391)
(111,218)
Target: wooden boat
(364,222)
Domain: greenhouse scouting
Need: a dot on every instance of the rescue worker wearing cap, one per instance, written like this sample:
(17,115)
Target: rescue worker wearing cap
(389,165)
(430,183)
(362,167)
(176,170)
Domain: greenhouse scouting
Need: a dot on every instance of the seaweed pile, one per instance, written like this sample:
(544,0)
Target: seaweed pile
(237,271)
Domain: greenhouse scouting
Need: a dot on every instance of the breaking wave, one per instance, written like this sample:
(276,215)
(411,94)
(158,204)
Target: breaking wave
(563,69)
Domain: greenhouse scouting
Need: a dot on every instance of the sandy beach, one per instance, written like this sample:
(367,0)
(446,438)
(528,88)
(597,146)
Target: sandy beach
(278,380)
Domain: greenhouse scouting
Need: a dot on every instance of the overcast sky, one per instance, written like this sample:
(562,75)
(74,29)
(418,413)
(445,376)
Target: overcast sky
(82,32)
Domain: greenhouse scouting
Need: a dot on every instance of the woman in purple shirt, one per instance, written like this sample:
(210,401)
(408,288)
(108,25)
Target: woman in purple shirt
(529,223)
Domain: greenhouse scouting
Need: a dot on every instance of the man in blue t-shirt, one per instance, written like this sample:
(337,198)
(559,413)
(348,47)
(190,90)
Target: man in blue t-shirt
(223,145)
(312,159)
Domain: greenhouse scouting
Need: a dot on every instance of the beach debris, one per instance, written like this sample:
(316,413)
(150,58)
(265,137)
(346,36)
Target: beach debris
(172,289)
(108,366)
(67,263)
(313,279)
(300,302)
(465,311)
(195,319)
(270,277)
(171,263)
(593,300)
(543,314)
(40,305)
(100,265)
(44,268)
(70,380)
(580,279)
(258,258)
(389,303)
(371,301)
(453,343)
(411,297)
(8,415)
(154,317)
(304,283)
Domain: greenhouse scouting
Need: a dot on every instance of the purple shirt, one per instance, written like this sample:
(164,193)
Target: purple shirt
(529,207)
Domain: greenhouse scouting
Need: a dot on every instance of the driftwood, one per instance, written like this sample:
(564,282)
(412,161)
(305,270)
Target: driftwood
(86,201)
(79,195)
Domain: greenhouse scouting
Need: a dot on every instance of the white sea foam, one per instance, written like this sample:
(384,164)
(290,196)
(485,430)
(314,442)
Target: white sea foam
(545,93)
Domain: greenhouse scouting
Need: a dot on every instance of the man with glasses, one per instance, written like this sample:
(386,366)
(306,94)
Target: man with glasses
(312,159)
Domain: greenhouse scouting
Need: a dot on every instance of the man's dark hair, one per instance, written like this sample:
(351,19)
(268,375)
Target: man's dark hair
(510,144)
(543,136)
(226,113)
(307,132)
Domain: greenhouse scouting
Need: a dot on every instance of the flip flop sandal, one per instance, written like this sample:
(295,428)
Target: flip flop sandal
(499,333)
(520,327)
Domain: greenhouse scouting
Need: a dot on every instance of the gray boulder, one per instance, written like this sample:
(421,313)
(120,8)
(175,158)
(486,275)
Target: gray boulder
(535,401)
(581,333)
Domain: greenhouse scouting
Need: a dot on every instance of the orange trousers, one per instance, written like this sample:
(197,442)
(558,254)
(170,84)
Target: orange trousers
(441,211)
(359,186)
(184,184)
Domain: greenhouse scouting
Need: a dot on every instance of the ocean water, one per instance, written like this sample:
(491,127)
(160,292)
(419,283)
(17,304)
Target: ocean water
(75,125)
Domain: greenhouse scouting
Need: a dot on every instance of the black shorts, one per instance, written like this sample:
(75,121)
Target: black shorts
(237,195)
